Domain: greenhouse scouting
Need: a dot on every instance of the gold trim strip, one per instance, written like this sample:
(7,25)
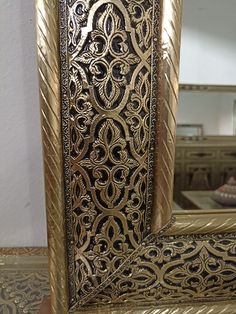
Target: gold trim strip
(169,85)
(24,251)
(210,308)
(207,88)
(203,222)
(49,77)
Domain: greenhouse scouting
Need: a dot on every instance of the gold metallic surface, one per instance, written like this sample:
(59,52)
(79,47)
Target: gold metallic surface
(214,308)
(168,270)
(207,88)
(117,73)
(23,283)
(49,78)
(27,251)
(168,98)
(109,93)
(203,222)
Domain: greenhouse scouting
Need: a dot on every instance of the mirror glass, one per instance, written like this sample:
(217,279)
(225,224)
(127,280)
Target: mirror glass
(205,165)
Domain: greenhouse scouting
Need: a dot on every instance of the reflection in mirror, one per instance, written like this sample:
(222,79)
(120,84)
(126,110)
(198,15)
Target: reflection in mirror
(205,165)
(206,113)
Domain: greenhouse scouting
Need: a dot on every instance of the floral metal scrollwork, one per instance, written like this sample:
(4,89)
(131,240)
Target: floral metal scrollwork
(99,125)
(109,61)
(174,270)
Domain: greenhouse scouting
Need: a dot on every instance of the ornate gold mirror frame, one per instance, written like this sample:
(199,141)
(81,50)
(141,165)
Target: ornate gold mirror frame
(109,89)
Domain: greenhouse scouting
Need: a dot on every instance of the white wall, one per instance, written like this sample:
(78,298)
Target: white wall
(208,48)
(213,110)
(22,214)
(208,54)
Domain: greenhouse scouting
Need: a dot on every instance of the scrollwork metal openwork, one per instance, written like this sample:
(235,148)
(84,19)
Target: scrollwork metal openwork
(109,75)
(171,270)
(116,110)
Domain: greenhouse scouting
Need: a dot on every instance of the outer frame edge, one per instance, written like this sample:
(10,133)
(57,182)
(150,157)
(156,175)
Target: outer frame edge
(49,80)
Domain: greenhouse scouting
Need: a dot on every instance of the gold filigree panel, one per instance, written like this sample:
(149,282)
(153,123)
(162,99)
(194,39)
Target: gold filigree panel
(22,291)
(118,74)
(176,269)
(108,88)
(24,280)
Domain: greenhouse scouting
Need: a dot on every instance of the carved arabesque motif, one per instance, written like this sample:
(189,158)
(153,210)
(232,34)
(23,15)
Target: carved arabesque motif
(109,84)
(21,291)
(171,270)
(207,253)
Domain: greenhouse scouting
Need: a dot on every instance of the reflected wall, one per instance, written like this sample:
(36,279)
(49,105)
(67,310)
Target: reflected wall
(205,165)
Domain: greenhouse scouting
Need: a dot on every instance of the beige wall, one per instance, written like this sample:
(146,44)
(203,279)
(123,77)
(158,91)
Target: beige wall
(213,110)
(22,218)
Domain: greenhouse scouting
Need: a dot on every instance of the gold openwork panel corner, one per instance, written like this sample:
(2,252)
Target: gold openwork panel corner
(109,87)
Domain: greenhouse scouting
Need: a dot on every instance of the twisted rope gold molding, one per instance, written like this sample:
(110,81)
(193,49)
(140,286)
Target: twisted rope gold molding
(216,308)
(203,222)
(164,174)
(49,74)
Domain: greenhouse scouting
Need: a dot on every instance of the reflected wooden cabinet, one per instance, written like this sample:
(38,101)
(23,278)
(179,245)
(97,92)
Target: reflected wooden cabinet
(203,165)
